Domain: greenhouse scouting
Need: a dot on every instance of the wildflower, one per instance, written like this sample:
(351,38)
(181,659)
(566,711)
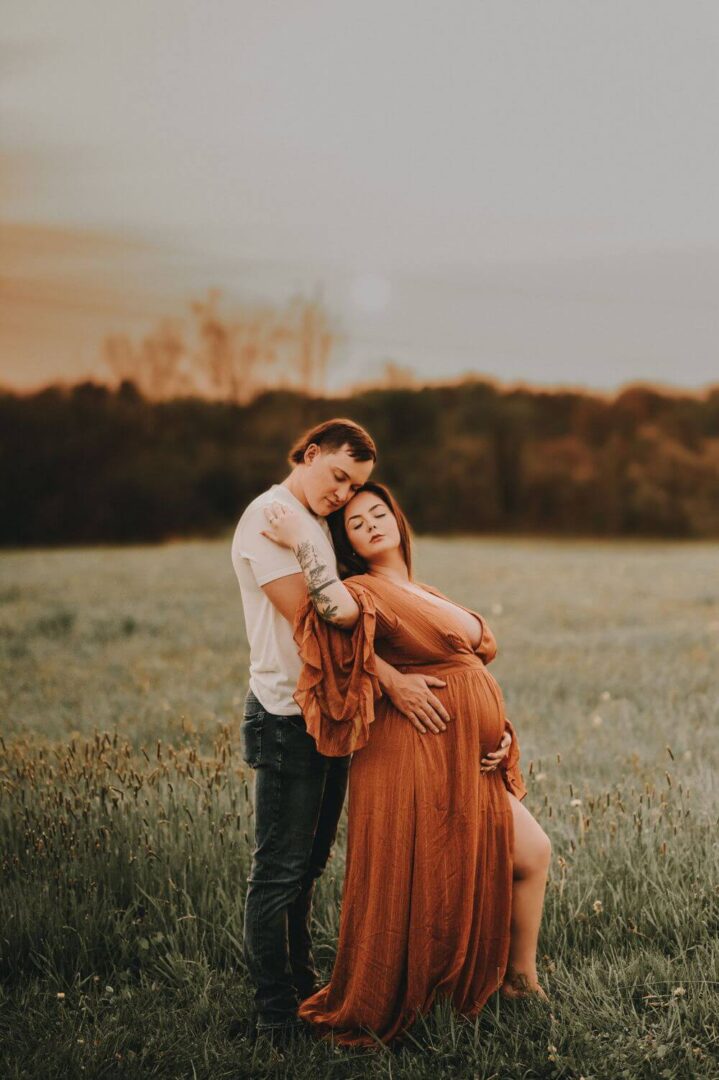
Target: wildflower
(60,996)
(597,720)
(541,776)
(576,802)
(598,907)
(678,991)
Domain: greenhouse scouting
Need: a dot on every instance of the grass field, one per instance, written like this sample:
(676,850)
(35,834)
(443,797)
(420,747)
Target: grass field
(125,814)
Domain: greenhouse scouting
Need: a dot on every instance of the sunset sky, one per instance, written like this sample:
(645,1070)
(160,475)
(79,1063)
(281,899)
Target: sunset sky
(522,190)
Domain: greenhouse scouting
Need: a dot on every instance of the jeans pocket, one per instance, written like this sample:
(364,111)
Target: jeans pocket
(297,721)
(251,738)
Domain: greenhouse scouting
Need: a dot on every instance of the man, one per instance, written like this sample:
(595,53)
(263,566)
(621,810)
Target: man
(299,792)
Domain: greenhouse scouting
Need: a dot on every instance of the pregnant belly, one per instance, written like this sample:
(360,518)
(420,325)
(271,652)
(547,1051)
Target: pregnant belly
(474,697)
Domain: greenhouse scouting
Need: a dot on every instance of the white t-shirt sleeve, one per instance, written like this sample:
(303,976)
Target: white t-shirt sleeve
(268,561)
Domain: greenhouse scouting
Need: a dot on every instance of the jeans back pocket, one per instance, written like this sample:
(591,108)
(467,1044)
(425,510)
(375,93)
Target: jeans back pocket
(251,730)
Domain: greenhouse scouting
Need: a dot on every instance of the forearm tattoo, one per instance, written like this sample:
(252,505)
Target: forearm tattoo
(315,571)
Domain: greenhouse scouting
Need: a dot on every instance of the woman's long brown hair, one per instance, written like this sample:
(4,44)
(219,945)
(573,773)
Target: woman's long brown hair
(347,561)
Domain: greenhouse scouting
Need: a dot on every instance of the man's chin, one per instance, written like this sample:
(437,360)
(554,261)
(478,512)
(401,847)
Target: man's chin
(320,509)
(324,508)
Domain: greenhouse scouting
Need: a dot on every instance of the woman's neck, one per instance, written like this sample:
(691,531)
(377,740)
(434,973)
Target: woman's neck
(391,565)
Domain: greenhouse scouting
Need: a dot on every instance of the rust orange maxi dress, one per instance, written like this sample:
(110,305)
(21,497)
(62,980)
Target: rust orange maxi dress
(428,885)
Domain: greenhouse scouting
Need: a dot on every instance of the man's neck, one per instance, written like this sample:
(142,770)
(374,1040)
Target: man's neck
(294,486)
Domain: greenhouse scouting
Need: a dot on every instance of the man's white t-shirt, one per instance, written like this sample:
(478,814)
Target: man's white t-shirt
(274,660)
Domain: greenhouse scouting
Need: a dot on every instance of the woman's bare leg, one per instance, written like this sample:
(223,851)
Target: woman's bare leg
(532,855)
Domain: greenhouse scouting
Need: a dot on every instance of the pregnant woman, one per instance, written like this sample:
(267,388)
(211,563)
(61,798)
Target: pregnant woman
(446,870)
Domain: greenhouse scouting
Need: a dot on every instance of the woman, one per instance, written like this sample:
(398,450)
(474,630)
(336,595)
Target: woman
(446,869)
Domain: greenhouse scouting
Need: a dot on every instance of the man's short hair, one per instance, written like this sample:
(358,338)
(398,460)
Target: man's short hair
(333,435)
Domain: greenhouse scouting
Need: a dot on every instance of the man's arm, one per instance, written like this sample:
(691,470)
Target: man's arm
(331,599)
(410,694)
(286,594)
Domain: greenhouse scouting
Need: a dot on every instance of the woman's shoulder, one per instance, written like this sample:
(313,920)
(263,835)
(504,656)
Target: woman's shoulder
(374,582)
(374,591)
(359,581)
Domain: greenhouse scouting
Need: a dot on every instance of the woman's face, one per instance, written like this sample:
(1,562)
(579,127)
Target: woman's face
(371,526)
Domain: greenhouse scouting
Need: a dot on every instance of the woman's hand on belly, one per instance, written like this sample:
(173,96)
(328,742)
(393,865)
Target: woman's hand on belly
(492,761)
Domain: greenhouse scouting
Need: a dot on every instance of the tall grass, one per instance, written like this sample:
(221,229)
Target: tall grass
(125,855)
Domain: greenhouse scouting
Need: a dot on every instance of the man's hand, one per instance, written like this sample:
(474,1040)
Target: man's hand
(492,761)
(411,695)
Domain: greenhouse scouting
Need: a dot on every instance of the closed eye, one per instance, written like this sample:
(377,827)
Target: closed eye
(359,524)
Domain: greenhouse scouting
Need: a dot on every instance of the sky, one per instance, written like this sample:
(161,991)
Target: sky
(525,191)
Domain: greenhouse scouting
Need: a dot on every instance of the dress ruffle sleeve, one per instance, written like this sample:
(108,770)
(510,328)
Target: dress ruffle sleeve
(338,683)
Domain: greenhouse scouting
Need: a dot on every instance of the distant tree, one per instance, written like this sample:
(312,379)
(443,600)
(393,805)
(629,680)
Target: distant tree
(231,359)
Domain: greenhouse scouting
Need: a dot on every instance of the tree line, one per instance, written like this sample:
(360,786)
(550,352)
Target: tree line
(92,464)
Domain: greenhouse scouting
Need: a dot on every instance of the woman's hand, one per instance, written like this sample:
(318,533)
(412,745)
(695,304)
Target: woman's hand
(492,761)
(284,525)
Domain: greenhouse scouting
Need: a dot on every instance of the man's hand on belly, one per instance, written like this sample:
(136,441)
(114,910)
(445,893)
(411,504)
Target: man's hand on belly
(412,696)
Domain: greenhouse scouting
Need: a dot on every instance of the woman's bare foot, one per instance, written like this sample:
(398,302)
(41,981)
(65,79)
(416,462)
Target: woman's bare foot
(518,985)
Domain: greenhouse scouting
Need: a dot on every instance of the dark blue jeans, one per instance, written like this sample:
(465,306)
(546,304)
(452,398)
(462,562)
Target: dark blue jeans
(298,799)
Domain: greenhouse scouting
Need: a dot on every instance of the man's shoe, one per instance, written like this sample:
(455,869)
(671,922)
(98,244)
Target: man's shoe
(242,1027)
(286,1034)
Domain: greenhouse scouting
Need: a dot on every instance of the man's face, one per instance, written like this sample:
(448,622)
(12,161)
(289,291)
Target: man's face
(332,477)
